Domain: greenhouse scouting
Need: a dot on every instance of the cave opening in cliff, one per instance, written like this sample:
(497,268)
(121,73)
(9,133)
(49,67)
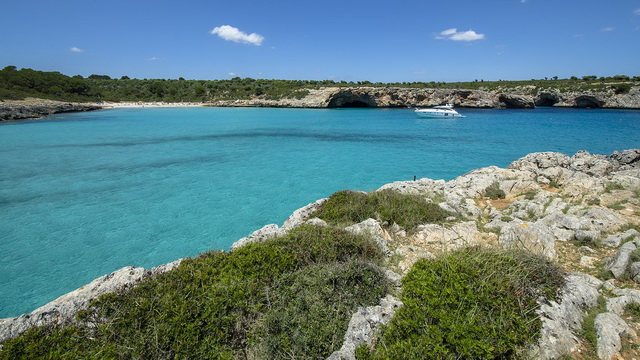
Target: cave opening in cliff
(355,104)
(587,102)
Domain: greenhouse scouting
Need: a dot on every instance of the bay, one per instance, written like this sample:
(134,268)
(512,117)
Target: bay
(82,195)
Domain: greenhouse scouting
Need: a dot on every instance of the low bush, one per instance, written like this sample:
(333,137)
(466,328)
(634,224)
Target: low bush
(289,297)
(475,303)
(494,192)
(408,211)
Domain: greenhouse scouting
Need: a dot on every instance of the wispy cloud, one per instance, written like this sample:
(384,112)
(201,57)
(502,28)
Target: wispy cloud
(607,29)
(637,11)
(231,74)
(231,33)
(76,50)
(153,58)
(455,35)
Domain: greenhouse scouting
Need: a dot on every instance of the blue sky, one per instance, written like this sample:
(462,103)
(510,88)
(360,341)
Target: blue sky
(388,41)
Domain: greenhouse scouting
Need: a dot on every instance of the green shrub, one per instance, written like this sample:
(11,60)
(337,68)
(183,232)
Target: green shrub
(408,211)
(224,305)
(494,192)
(612,186)
(474,303)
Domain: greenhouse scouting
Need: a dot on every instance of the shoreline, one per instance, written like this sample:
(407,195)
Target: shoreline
(143,104)
(551,200)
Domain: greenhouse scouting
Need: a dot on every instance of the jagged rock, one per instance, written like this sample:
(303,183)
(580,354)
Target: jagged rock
(536,238)
(623,298)
(609,328)
(64,308)
(301,215)
(459,235)
(266,232)
(626,158)
(512,101)
(372,227)
(617,239)
(514,188)
(594,165)
(620,262)
(363,325)
(36,108)
(562,320)
(423,186)
(628,179)
(539,161)
(601,219)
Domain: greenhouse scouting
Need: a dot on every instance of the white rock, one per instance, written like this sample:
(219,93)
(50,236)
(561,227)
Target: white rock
(372,227)
(299,216)
(620,262)
(609,328)
(617,239)
(536,238)
(266,232)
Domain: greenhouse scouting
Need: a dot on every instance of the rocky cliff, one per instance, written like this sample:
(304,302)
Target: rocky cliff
(35,108)
(519,98)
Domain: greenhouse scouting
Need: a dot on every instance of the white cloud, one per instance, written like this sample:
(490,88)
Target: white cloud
(231,74)
(230,33)
(636,11)
(153,58)
(455,35)
(76,50)
(607,29)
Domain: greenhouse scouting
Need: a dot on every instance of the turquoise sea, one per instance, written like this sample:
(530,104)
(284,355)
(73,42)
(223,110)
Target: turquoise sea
(82,195)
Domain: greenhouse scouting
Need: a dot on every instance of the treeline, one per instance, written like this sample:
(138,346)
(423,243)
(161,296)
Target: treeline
(17,84)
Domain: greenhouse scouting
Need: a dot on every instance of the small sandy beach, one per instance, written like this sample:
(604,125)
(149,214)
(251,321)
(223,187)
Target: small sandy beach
(139,104)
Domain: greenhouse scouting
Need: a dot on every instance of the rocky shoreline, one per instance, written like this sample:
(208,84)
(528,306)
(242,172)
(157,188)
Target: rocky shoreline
(12,110)
(371,97)
(580,211)
(374,97)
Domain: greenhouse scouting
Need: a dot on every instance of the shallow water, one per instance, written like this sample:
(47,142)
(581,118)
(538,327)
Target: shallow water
(84,194)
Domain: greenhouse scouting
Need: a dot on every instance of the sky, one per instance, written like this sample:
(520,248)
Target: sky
(378,41)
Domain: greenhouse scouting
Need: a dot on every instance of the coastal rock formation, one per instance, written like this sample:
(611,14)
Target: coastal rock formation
(64,308)
(36,108)
(390,97)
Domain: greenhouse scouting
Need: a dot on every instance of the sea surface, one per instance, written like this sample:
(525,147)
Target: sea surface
(82,195)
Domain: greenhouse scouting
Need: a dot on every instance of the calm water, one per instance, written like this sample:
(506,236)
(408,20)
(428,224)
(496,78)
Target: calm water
(82,195)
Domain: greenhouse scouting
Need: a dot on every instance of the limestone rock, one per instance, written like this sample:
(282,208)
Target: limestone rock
(634,271)
(627,158)
(64,308)
(562,320)
(536,238)
(609,328)
(620,262)
(266,232)
(363,325)
(617,239)
(301,215)
(624,297)
(423,186)
(372,227)
(594,165)
(316,222)
(455,237)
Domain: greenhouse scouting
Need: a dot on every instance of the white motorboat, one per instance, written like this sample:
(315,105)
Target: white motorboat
(441,111)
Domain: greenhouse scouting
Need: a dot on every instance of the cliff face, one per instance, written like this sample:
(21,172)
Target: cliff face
(333,97)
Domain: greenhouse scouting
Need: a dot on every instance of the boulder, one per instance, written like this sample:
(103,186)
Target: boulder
(266,232)
(609,329)
(620,262)
(455,237)
(423,186)
(373,228)
(299,216)
(536,238)
(617,239)
(562,320)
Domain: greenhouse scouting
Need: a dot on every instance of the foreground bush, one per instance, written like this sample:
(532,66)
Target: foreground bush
(408,211)
(291,297)
(474,303)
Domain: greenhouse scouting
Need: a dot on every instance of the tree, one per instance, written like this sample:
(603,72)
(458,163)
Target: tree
(125,77)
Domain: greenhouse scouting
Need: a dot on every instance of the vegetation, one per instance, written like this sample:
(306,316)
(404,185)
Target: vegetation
(16,84)
(408,211)
(494,192)
(475,303)
(288,298)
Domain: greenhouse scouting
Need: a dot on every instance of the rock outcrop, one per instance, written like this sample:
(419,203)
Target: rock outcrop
(390,97)
(64,308)
(37,108)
